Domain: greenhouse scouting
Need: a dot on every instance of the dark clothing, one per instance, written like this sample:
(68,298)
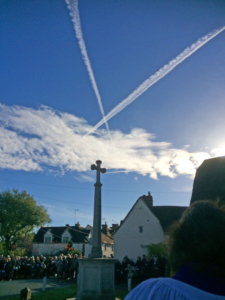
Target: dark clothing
(118,271)
(206,282)
(155,269)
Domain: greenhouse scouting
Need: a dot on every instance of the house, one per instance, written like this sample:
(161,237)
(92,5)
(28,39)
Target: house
(50,240)
(144,224)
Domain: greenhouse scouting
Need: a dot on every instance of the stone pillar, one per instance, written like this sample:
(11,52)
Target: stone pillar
(96,274)
(96,279)
(96,251)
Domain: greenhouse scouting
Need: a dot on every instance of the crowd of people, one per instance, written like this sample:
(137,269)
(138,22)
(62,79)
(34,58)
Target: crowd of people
(61,267)
(144,268)
(65,267)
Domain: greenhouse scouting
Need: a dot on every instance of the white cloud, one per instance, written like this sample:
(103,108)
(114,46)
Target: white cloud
(46,140)
(218,151)
(83,178)
(135,178)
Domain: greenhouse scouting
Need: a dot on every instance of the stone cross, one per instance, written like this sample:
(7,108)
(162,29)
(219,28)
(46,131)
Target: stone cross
(96,251)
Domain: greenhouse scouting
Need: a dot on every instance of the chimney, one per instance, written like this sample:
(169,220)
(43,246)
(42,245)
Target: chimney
(114,227)
(105,228)
(77,225)
(148,199)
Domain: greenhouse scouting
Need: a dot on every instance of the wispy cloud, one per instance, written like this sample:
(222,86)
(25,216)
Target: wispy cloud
(158,75)
(74,12)
(47,140)
(84,178)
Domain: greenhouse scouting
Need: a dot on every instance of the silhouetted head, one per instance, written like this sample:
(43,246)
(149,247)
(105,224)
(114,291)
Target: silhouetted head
(198,239)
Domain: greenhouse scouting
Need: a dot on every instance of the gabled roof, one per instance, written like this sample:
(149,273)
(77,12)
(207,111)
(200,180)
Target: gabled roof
(166,215)
(79,235)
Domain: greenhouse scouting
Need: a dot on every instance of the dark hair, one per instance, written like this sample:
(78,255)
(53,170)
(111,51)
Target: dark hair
(198,239)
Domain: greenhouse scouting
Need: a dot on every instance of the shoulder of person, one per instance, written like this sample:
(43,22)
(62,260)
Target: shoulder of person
(168,288)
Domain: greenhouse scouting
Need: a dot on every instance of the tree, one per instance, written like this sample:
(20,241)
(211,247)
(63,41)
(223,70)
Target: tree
(19,215)
(157,249)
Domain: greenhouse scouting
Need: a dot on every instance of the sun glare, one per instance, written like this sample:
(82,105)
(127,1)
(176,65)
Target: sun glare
(218,151)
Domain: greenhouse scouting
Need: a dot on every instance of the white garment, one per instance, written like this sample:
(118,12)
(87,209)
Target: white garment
(169,289)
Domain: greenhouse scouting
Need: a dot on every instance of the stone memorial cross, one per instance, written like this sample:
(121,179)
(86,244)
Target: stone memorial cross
(96,251)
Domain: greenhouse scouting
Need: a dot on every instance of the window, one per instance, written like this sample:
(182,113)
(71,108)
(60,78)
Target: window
(112,247)
(105,247)
(141,229)
(47,240)
(65,240)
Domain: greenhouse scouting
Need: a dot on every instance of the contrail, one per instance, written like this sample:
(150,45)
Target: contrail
(158,75)
(74,13)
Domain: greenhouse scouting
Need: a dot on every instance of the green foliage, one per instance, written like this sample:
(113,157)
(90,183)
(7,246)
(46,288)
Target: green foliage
(19,214)
(18,252)
(157,249)
(3,249)
(69,250)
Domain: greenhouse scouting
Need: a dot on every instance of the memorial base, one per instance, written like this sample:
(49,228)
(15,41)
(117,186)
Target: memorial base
(96,279)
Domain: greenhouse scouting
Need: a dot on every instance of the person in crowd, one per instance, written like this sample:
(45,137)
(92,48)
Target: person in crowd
(32,268)
(74,267)
(56,259)
(163,265)
(118,271)
(60,268)
(69,261)
(138,266)
(154,267)
(124,265)
(17,267)
(131,272)
(11,266)
(2,268)
(43,269)
(7,268)
(196,255)
(146,268)
(144,259)
(65,268)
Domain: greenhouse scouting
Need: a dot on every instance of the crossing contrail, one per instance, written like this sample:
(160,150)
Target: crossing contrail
(158,75)
(74,12)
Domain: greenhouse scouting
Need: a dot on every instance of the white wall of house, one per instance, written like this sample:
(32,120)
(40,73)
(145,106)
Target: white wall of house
(66,237)
(129,240)
(107,250)
(51,249)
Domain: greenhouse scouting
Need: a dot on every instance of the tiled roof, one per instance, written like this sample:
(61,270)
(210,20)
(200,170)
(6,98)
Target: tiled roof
(106,240)
(79,234)
(166,215)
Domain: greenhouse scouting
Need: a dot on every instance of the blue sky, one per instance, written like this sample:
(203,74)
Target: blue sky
(48,106)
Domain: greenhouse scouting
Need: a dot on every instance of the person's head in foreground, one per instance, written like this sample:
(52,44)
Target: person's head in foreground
(196,255)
